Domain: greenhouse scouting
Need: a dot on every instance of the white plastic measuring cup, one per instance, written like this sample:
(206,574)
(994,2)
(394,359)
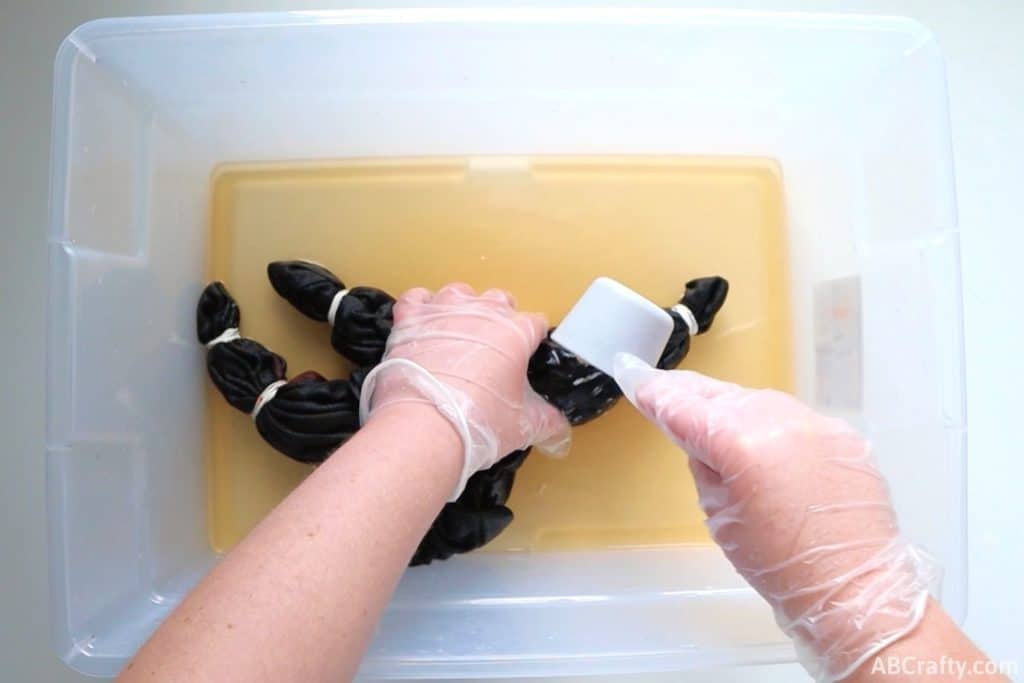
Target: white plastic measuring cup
(617,331)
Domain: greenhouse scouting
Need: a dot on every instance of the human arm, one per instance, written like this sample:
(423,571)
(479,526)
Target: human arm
(936,644)
(298,599)
(799,507)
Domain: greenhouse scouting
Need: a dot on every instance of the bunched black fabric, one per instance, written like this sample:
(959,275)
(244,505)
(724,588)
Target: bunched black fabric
(362,320)
(362,323)
(582,392)
(240,368)
(310,416)
(704,297)
(477,517)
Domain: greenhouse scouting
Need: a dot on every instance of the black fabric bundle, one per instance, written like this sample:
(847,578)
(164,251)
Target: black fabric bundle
(477,517)
(583,392)
(310,416)
(362,321)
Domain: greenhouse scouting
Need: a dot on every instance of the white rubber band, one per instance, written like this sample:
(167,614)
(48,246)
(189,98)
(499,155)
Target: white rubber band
(230,334)
(335,302)
(454,415)
(688,317)
(266,395)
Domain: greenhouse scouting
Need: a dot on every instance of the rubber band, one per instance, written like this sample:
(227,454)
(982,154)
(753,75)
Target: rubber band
(335,303)
(228,335)
(265,396)
(688,317)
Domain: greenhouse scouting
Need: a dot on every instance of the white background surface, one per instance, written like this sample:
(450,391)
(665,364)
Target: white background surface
(984,46)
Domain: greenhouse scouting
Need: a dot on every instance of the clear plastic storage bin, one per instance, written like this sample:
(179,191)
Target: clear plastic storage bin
(854,110)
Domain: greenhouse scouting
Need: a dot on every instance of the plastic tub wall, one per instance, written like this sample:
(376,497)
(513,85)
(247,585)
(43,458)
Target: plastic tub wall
(853,108)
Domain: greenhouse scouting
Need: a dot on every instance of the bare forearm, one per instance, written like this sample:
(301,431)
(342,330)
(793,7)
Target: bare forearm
(299,598)
(937,650)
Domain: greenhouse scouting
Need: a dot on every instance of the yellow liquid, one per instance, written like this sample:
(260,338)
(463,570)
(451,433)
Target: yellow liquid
(542,228)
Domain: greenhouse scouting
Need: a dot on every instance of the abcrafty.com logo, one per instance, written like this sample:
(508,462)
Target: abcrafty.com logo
(943,666)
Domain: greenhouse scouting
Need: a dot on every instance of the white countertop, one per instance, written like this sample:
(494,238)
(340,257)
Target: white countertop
(984,51)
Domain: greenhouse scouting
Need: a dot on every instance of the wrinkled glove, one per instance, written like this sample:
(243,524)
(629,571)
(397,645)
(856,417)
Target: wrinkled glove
(467,355)
(797,504)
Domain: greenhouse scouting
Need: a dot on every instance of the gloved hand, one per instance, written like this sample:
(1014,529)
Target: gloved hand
(467,355)
(796,503)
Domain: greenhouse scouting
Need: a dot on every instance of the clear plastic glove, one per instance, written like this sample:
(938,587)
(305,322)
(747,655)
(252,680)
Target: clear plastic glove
(467,355)
(796,503)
